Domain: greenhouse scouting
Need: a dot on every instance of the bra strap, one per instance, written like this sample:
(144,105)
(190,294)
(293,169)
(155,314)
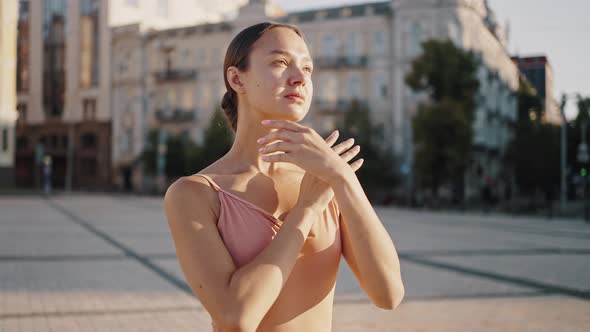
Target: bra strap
(211,182)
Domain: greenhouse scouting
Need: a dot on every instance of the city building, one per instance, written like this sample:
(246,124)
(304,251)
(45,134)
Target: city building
(63,93)
(361,52)
(538,71)
(8,114)
(63,80)
(134,69)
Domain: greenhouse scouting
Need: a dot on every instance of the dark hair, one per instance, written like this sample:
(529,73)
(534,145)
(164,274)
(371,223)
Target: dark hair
(237,55)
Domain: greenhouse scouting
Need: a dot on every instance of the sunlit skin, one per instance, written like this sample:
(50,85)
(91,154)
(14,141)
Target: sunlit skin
(293,173)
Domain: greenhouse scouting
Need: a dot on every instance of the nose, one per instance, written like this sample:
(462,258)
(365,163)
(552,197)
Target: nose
(297,77)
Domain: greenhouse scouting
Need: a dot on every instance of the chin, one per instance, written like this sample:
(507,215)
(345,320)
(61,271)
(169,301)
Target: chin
(294,112)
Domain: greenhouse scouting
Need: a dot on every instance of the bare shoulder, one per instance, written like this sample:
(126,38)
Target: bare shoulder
(192,194)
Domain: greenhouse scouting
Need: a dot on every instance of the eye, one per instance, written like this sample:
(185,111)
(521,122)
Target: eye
(308,69)
(282,62)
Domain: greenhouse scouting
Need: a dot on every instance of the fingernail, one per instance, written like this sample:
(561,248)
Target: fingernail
(265,121)
(261,149)
(259,140)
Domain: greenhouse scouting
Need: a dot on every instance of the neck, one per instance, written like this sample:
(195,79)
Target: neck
(244,155)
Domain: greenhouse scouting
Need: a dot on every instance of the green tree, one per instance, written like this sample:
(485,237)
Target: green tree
(217,141)
(575,134)
(534,151)
(150,152)
(180,153)
(377,175)
(445,71)
(442,126)
(442,134)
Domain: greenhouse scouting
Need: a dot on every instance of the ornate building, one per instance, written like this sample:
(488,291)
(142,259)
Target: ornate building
(8,114)
(361,52)
(63,84)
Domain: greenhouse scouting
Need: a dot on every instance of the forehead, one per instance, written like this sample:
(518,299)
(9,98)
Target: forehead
(282,39)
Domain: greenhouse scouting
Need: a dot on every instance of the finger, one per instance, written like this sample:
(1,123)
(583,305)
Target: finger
(344,146)
(332,138)
(279,146)
(278,157)
(357,164)
(285,135)
(348,155)
(283,124)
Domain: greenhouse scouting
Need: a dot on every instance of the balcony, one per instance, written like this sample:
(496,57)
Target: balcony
(337,62)
(340,106)
(171,75)
(175,115)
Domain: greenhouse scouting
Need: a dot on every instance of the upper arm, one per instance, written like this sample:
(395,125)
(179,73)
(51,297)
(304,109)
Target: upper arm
(203,257)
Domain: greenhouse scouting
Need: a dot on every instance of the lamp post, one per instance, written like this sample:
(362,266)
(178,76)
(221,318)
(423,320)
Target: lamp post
(563,196)
(563,193)
(583,159)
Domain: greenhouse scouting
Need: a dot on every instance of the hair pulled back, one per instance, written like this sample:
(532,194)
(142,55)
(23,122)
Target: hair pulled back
(237,55)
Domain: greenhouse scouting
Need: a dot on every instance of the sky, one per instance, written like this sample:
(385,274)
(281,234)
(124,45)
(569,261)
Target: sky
(559,30)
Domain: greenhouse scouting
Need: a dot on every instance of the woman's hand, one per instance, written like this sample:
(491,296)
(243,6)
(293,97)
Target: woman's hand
(305,148)
(315,193)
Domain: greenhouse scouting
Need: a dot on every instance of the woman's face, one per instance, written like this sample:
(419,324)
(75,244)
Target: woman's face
(278,80)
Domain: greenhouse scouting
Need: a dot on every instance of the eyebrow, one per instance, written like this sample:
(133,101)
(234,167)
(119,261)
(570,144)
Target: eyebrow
(283,52)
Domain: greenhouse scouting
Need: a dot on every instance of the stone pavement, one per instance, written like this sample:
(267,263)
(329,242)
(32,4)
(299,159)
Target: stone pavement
(106,263)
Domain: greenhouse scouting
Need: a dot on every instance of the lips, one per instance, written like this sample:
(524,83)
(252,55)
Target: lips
(295,96)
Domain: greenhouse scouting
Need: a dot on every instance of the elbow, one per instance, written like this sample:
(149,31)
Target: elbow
(390,300)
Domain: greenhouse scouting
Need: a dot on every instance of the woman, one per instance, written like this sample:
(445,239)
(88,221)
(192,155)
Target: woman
(260,232)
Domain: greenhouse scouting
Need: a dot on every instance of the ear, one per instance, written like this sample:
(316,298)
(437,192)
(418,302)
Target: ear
(234,78)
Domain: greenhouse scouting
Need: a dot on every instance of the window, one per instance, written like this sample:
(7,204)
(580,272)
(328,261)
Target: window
(201,57)
(54,45)
(354,43)
(354,87)
(330,88)
(381,88)
(329,45)
(187,99)
(21,109)
(89,42)
(89,109)
(415,40)
(22,47)
(126,140)
(88,140)
(379,42)
(4,139)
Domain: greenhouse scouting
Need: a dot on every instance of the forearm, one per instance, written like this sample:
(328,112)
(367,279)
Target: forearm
(257,285)
(370,244)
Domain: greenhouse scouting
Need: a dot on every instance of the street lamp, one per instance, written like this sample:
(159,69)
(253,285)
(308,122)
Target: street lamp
(563,196)
(583,159)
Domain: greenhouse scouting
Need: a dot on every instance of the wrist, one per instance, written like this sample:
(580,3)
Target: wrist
(340,176)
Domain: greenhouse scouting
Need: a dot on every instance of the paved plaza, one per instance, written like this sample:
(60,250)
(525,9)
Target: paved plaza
(85,262)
